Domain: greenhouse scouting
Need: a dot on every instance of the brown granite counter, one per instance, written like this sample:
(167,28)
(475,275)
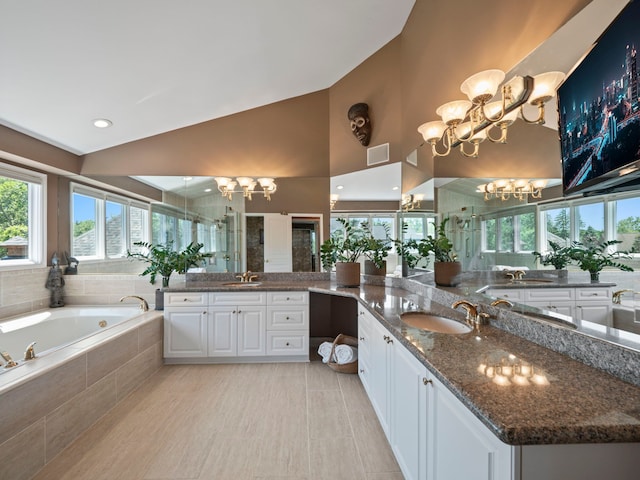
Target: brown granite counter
(556,400)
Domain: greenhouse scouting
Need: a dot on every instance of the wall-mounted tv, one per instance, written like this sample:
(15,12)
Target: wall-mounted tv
(599,112)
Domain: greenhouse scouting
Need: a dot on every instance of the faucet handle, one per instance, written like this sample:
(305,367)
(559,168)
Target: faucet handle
(510,275)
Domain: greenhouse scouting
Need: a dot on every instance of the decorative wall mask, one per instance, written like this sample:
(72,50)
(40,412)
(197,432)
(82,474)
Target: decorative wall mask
(360,123)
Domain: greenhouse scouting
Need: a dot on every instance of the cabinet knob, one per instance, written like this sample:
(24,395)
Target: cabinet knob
(185,299)
(426,382)
(287,344)
(362,370)
(233,311)
(287,318)
(387,338)
(288,299)
(362,339)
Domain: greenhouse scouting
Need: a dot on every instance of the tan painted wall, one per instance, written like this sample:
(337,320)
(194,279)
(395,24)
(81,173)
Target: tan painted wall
(375,82)
(284,139)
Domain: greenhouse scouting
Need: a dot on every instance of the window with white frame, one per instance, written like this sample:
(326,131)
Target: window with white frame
(509,232)
(22,217)
(103,225)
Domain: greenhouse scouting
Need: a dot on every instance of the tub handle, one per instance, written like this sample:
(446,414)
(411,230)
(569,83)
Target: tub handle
(30,353)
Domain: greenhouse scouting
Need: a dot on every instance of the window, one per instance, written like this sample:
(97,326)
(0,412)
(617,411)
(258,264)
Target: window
(509,232)
(526,229)
(628,224)
(489,235)
(557,225)
(590,220)
(22,219)
(505,234)
(105,226)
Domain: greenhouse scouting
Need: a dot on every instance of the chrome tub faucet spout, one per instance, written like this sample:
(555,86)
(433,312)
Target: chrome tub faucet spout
(144,306)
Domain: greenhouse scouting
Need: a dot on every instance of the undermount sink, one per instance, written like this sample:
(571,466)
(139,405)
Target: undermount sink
(434,323)
(241,284)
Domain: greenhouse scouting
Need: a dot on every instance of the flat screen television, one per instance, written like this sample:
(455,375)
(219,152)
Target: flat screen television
(599,112)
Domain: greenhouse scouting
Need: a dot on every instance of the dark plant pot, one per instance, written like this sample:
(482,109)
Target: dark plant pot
(447,274)
(595,277)
(348,274)
(405,269)
(371,269)
(159,299)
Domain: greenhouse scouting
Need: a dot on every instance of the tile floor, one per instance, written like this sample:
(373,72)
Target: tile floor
(296,421)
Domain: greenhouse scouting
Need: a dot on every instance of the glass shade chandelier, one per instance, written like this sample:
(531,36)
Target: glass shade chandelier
(470,122)
(247,186)
(518,189)
(411,202)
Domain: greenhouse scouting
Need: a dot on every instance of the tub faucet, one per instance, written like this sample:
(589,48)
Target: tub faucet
(615,298)
(144,306)
(30,353)
(7,358)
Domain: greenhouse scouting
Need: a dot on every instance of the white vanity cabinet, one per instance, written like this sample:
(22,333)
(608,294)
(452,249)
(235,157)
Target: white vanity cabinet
(460,446)
(237,324)
(288,324)
(185,325)
(582,303)
(232,326)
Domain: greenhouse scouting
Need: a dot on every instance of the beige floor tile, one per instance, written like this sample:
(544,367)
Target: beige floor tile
(255,422)
(335,459)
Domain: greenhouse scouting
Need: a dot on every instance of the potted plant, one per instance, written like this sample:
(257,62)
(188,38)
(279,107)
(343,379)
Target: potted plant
(342,250)
(594,257)
(446,268)
(163,260)
(558,256)
(376,251)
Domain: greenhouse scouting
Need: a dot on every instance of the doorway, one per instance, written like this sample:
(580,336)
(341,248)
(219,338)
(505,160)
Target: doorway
(305,248)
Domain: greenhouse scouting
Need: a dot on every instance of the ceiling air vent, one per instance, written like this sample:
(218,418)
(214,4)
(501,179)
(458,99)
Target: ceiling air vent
(378,154)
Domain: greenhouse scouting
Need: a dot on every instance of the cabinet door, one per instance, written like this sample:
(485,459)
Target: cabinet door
(408,421)
(459,445)
(185,332)
(380,344)
(223,332)
(365,322)
(595,312)
(252,331)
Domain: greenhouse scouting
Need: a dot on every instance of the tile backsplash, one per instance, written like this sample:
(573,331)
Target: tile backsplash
(23,291)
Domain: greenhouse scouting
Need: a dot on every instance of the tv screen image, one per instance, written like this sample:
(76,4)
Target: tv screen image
(599,110)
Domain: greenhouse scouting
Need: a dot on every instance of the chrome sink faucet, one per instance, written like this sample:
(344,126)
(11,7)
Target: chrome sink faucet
(144,306)
(616,296)
(515,275)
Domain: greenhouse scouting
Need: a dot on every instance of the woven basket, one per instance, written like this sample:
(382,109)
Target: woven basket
(344,367)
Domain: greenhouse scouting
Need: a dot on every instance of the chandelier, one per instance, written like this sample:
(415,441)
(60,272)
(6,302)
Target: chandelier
(518,189)
(470,122)
(411,202)
(247,186)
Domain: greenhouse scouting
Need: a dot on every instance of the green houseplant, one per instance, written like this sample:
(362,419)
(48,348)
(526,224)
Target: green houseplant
(342,250)
(376,251)
(446,268)
(596,256)
(558,256)
(163,260)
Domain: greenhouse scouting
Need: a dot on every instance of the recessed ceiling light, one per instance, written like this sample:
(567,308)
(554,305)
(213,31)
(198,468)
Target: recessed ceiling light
(340,187)
(102,123)
(395,188)
(207,190)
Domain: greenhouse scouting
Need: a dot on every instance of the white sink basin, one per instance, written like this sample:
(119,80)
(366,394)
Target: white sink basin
(434,323)
(241,284)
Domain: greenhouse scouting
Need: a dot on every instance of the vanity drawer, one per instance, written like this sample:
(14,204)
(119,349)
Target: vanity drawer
(186,299)
(238,298)
(287,343)
(287,318)
(549,294)
(287,298)
(511,294)
(586,294)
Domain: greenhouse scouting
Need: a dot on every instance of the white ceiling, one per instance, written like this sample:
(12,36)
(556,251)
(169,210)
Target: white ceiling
(152,66)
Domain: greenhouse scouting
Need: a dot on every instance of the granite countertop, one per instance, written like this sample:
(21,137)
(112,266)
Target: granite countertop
(561,401)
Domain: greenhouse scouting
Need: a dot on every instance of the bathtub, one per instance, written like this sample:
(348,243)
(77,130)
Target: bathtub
(57,328)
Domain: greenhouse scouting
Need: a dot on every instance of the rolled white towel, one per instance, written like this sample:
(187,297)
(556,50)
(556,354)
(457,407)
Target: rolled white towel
(325,351)
(345,354)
